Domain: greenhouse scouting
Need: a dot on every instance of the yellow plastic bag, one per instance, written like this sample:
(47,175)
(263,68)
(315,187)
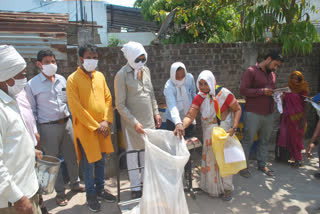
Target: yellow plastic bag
(219,139)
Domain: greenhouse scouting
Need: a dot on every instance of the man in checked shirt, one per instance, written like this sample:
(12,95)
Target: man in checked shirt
(48,99)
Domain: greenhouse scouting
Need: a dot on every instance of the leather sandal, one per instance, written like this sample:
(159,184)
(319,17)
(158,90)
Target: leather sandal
(61,200)
(266,171)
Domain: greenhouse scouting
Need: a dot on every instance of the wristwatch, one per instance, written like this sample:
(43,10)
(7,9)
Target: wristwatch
(234,129)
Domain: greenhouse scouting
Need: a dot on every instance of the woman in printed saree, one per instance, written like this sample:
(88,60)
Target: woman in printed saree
(293,122)
(218,107)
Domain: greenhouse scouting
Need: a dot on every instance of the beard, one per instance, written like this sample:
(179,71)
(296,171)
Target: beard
(268,69)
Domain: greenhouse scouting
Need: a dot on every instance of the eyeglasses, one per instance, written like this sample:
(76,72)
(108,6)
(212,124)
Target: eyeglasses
(140,59)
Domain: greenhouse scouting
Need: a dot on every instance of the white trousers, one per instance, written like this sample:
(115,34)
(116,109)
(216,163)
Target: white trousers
(135,176)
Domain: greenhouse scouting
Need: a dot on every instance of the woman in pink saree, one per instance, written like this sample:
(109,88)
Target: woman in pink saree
(293,123)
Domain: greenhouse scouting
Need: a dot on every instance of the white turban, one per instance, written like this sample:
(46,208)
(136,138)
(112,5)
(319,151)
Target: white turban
(11,62)
(131,51)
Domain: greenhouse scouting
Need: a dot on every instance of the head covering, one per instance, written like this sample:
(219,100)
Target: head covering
(131,51)
(207,110)
(11,62)
(300,87)
(173,71)
(183,102)
(207,76)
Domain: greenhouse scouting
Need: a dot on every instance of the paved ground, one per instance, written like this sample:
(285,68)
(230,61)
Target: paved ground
(290,191)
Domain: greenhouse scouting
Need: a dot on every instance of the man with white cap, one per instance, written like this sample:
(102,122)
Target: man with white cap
(18,180)
(137,105)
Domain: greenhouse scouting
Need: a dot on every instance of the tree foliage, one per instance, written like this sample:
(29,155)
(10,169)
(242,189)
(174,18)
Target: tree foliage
(205,21)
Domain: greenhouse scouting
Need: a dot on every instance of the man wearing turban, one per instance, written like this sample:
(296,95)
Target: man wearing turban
(18,180)
(137,106)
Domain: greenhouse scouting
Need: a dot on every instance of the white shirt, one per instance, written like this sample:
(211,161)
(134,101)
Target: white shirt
(17,155)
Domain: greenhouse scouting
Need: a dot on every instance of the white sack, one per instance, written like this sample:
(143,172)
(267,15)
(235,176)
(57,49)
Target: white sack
(165,158)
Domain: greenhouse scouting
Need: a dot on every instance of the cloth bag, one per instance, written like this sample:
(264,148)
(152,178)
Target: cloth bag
(165,158)
(228,152)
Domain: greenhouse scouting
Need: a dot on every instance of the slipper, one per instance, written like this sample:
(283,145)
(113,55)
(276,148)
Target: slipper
(266,171)
(227,196)
(61,200)
(78,188)
(317,175)
(245,173)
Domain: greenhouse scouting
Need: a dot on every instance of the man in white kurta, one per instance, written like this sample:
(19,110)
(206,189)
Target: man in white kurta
(136,103)
(18,180)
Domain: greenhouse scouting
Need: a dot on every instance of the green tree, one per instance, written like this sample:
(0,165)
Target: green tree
(203,21)
(114,41)
(195,20)
(288,21)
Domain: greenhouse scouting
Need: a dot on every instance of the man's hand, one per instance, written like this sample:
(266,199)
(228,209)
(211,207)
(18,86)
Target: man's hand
(158,120)
(268,92)
(104,125)
(38,141)
(23,206)
(139,128)
(179,131)
(39,154)
(309,150)
(103,128)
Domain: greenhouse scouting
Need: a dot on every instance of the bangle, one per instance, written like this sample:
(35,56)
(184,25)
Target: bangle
(234,129)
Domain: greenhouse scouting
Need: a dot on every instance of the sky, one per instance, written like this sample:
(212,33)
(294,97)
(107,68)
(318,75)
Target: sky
(127,3)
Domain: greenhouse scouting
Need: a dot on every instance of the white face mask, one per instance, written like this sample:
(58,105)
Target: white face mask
(49,70)
(137,66)
(180,83)
(90,64)
(17,87)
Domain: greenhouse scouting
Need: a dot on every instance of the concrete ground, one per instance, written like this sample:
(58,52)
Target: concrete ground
(290,191)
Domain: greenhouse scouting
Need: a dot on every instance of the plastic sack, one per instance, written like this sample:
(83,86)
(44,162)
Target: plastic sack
(221,142)
(165,158)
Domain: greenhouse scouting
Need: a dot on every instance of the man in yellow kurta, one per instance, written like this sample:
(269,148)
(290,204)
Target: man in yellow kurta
(90,103)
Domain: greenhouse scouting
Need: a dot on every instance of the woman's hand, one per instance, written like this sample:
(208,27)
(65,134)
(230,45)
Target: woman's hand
(231,131)
(179,130)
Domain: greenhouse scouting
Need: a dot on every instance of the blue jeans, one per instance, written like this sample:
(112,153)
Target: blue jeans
(93,184)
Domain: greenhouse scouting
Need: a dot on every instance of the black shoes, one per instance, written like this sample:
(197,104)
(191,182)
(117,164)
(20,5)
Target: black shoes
(93,203)
(104,195)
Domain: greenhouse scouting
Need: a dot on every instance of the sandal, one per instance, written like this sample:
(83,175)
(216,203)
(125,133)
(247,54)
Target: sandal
(44,210)
(61,200)
(227,196)
(266,171)
(297,164)
(317,175)
(245,173)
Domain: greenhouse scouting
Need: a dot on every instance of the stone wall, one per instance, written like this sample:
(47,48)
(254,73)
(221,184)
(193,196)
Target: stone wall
(227,61)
